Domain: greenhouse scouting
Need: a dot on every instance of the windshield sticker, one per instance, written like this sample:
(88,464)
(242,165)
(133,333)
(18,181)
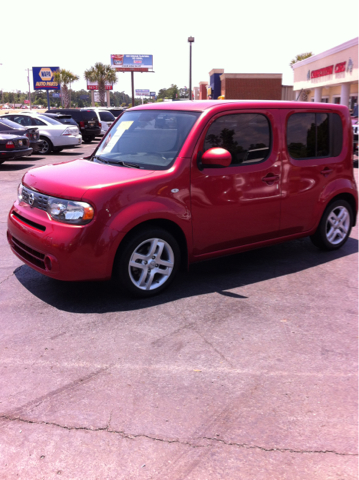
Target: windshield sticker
(112,140)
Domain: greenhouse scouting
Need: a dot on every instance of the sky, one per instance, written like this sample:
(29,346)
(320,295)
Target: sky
(239,36)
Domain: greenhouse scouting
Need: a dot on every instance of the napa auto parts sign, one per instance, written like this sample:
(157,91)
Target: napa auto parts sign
(44,78)
(130,63)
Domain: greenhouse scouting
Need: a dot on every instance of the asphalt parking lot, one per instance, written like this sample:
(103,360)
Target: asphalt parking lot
(246,368)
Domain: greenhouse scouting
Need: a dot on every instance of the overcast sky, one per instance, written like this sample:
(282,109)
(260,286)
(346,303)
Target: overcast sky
(239,36)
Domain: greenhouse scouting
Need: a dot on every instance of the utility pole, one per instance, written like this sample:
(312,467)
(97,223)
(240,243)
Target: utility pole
(190,41)
(28,82)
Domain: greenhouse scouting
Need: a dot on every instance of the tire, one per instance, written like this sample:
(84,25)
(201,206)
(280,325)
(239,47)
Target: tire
(157,255)
(87,139)
(47,146)
(335,226)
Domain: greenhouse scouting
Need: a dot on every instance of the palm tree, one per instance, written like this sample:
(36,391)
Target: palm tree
(101,74)
(64,78)
(300,57)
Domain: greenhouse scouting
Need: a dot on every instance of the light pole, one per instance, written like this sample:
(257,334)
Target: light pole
(190,41)
(28,81)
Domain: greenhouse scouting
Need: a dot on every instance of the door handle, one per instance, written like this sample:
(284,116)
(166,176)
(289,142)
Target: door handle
(270,178)
(326,171)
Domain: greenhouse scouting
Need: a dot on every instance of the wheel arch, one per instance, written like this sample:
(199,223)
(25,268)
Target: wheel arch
(168,225)
(348,197)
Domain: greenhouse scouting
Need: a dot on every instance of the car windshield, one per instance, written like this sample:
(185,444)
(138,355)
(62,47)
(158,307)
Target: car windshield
(148,139)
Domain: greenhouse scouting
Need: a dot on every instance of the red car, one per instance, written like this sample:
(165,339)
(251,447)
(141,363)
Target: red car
(181,182)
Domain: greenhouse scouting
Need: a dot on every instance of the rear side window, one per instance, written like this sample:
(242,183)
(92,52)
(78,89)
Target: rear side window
(246,136)
(88,115)
(311,135)
(107,117)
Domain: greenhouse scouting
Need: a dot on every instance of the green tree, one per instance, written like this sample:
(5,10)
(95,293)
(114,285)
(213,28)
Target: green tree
(170,93)
(101,74)
(64,78)
(300,57)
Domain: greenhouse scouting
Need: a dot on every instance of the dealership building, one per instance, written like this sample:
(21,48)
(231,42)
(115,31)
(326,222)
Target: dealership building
(329,77)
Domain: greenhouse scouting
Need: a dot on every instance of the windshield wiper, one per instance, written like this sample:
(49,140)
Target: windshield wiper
(119,162)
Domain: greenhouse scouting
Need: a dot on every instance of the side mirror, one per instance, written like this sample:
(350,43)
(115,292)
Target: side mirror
(215,157)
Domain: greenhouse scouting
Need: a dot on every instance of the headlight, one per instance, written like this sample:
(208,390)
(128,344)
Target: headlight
(68,211)
(19,192)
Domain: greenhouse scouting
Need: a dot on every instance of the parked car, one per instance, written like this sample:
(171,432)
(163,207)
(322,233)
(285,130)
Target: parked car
(172,184)
(55,135)
(116,111)
(86,119)
(13,146)
(32,133)
(62,118)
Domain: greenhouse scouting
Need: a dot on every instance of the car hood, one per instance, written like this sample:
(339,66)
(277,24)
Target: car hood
(72,179)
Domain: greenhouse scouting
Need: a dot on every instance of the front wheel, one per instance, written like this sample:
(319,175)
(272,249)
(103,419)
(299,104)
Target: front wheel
(335,226)
(148,262)
(46,146)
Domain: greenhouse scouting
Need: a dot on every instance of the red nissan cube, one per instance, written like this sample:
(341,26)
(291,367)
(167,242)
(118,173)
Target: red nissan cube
(181,182)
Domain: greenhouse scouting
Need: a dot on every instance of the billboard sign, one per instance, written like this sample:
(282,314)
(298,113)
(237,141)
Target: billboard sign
(94,86)
(152,94)
(44,78)
(130,63)
(142,93)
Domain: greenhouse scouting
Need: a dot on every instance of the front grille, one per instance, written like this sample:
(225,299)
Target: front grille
(32,256)
(35,199)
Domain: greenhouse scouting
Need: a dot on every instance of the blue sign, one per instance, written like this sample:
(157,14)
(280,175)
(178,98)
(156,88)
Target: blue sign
(55,95)
(152,94)
(132,62)
(44,78)
(142,93)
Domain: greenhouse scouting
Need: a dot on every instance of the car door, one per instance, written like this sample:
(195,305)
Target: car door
(239,204)
(312,157)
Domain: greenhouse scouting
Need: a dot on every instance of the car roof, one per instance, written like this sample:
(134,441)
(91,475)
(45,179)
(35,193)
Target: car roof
(202,105)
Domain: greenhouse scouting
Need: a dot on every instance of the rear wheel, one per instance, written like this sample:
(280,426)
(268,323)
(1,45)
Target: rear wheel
(46,147)
(147,262)
(335,226)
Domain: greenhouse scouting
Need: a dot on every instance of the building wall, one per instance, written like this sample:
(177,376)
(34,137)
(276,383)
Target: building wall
(251,86)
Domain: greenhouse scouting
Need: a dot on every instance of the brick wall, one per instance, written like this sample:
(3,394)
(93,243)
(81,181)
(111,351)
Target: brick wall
(202,92)
(252,88)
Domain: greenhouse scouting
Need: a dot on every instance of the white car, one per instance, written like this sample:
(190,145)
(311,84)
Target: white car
(105,117)
(55,135)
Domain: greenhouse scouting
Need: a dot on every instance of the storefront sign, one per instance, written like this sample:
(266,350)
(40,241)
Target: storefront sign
(322,72)
(340,67)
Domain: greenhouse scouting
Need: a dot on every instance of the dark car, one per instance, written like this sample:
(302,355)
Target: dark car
(62,118)
(86,120)
(32,133)
(13,146)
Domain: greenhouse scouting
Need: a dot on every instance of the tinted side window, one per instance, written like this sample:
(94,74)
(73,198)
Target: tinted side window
(107,117)
(246,136)
(308,135)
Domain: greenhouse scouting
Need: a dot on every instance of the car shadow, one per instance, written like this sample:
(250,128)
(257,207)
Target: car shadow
(220,275)
(6,167)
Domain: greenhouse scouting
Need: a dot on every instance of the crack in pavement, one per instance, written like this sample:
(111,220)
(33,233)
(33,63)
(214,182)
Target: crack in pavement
(189,444)
(11,275)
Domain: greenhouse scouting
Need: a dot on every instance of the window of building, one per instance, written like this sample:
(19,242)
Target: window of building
(325,99)
(336,100)
(308,135)
(246,136)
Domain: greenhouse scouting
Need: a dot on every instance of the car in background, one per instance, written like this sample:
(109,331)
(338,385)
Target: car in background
(105,118)
(32,133)
(86,119)
(55,135)
(116,111)
(62,118)
(13,146)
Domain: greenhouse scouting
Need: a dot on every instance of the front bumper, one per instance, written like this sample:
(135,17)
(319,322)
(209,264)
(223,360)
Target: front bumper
(61,251)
